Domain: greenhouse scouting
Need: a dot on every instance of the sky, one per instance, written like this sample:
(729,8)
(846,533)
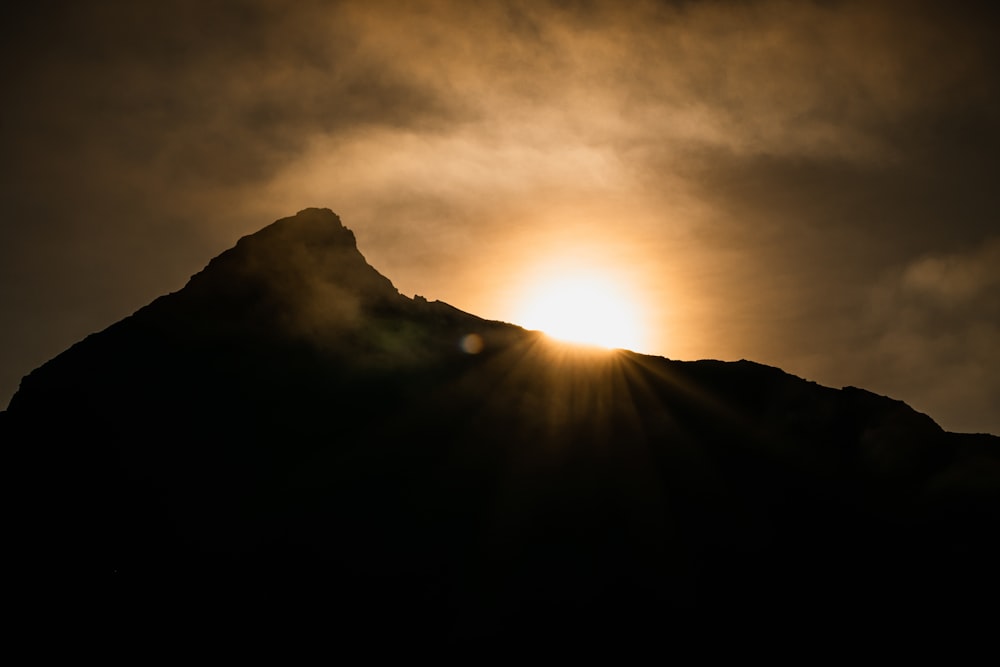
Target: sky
(810,185)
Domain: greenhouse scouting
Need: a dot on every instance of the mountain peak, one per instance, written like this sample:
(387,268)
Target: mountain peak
(302,275)
(319,226)
(302,252)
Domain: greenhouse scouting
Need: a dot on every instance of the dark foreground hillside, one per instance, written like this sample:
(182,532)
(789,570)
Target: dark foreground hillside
(289,431)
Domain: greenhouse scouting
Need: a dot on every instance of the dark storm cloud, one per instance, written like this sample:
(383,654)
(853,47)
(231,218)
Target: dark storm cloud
(779,163)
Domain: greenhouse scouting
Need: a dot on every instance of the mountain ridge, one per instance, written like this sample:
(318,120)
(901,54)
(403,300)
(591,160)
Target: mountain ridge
(288,413)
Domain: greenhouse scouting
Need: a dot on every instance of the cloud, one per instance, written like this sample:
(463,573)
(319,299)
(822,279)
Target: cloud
(956,280)
(934,323)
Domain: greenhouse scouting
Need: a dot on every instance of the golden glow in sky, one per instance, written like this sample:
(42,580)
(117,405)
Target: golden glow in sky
(583,308)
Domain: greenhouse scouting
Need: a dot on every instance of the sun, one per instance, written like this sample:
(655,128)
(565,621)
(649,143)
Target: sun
(583,308)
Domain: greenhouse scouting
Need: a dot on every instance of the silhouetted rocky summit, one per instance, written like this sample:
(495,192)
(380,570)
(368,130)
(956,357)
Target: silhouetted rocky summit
(289,428)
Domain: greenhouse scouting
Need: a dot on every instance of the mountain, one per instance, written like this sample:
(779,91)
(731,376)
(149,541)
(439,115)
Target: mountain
(289,428)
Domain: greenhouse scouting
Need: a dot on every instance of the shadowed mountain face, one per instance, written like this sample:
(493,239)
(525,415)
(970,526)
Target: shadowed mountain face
(288,427)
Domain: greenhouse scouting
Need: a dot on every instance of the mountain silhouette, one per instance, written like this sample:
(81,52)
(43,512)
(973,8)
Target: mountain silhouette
(288,427)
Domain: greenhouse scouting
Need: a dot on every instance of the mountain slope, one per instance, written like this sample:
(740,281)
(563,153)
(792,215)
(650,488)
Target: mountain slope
(289,418)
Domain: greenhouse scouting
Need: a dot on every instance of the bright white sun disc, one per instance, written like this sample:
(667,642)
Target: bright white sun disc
(583,310)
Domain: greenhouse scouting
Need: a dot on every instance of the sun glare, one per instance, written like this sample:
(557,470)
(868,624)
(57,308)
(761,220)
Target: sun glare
(583,309)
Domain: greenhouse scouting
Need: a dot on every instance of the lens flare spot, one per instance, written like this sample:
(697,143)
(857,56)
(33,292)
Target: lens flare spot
(471,343)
